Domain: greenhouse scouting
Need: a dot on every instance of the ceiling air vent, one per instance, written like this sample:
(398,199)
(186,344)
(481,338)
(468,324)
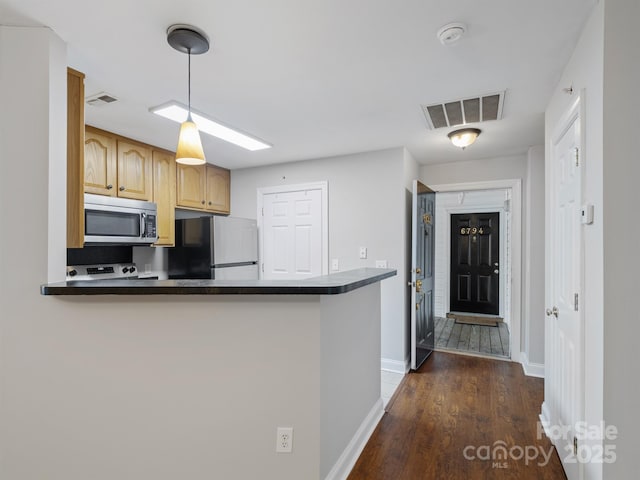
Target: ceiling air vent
(468,110)
(100,99)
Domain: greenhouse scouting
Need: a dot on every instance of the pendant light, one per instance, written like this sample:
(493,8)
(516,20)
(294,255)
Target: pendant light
(464,137)
(189,40)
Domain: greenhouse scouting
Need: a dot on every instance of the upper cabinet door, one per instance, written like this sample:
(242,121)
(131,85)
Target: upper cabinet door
(164,194)
(134,171)
(218,180)
(99,163)
(190,186)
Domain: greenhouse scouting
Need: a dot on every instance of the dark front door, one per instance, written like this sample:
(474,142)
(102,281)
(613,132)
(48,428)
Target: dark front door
(475,267)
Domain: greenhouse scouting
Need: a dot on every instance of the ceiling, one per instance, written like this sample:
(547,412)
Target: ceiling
(318,78)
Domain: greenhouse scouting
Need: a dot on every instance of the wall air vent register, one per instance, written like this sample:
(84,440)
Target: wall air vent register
(461,112)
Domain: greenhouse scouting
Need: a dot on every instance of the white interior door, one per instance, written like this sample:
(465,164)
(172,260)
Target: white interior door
(292,234)
(422,274)
(564,279)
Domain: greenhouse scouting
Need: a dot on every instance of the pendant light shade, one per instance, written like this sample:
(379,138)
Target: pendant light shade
(189,150)
(189,40)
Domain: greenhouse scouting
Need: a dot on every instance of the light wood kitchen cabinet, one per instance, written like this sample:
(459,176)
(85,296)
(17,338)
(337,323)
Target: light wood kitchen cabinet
(164,195)
(75,158)
(116,166)
(217,187)
(203,187)
(100,174)
(190,186)
(134,171)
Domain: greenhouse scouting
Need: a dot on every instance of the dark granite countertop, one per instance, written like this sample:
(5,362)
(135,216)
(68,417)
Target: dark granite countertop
(333,284)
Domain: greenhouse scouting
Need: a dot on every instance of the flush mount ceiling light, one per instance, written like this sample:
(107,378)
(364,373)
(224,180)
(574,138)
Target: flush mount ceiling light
(464,137)
(451,33)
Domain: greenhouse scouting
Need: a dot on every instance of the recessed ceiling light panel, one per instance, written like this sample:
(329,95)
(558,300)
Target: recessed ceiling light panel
(178,113)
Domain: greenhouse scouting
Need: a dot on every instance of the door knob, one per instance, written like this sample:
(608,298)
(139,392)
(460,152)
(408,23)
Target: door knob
(418,285)
(496,271)
(553,311)
(418,271)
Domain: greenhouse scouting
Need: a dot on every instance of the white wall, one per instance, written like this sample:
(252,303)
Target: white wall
(533,239)
(584,72)
(501,168)
(621,231)
(366,208)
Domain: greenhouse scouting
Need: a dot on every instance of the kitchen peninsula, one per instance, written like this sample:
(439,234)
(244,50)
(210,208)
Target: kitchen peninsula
(261,355)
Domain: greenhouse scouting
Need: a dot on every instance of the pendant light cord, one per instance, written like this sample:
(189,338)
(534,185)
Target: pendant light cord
(189,87)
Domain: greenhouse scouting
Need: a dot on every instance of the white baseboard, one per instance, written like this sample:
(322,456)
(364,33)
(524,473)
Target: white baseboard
(395,366)
(531,369)
(545,419)
(342,468)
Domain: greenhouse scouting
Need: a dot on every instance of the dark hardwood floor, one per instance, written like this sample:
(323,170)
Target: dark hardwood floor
(449,419)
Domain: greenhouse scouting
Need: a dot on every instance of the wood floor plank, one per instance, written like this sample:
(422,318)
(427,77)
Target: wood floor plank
(485,341)
(504,337)
(474,338)
(496,343)
(446,333)
(465,332)
(437,330)
(454,338)
(455,402)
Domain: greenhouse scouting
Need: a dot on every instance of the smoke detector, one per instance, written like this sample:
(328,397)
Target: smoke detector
(451,33)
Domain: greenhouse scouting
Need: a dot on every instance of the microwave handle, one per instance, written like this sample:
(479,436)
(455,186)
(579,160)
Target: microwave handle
(143,225)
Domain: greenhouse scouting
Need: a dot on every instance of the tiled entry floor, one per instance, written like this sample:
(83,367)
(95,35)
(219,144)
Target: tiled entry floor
(472,338)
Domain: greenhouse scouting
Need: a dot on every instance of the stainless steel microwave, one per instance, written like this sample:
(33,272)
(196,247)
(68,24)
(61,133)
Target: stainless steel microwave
(112,220)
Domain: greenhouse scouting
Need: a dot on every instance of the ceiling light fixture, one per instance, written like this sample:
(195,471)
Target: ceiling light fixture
(178,113)
(464,137)
(189,40)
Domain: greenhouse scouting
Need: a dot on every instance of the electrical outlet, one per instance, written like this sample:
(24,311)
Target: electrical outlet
(363,252)
(284,441)
(381,264)
(335,265)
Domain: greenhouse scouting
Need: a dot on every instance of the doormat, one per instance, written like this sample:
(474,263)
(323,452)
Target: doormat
(475,319)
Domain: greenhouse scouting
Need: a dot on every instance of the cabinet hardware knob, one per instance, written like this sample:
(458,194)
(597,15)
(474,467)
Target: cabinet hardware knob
(203,202)
(210,203)
(121,189)
(109,187)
